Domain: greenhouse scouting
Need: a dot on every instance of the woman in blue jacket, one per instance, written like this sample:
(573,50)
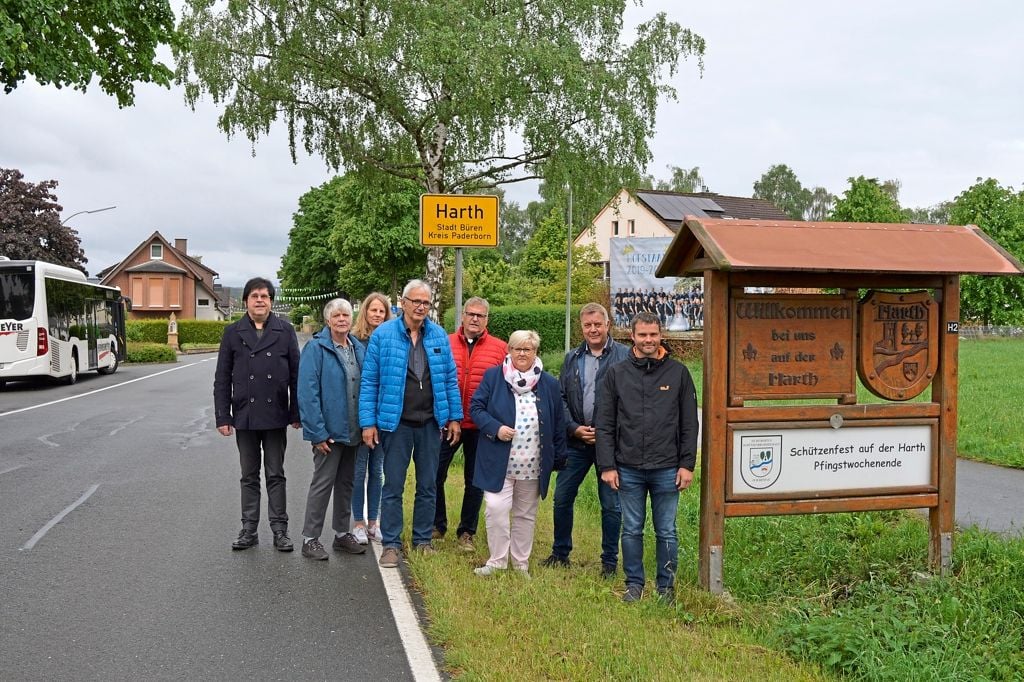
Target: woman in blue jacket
(329,373)
(518,409)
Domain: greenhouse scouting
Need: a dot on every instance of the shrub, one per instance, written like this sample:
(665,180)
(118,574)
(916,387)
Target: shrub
(298,312)
(150,352)
(201,331)
(147,331)
(546,320)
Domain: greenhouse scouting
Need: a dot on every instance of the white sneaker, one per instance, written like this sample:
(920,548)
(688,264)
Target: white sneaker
(485,571)
(525,572)
(373,532)
(360,535)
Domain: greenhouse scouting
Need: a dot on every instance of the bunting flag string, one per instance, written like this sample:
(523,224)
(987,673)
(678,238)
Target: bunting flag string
(306,298)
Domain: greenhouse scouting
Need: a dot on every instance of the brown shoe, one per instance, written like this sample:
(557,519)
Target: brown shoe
(348,543)
(426,549)
(314,550)
(466,543)
(436,534)
(389,558)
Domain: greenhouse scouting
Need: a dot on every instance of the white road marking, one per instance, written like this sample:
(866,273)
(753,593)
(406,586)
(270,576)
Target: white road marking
(46,439)
(105,388)
(7,471)
(56,519)
(421,662)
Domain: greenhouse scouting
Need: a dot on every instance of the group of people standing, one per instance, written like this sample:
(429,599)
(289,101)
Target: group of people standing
(374,394)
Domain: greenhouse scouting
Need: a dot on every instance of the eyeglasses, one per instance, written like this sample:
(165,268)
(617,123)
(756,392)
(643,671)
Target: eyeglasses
(523,351)
(417,303)
(475,316)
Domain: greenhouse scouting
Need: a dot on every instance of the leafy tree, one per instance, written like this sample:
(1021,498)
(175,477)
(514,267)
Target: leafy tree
(936,215)
(541,270)
(866,201)
(310,261)
(30,226)
(376,235)
(820,205)
(681,180)
(780,186)
(68,43)
(431,91)
(999,211)
(515,229)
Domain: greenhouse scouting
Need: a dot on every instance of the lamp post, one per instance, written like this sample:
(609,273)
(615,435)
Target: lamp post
(568,275)
(95,210)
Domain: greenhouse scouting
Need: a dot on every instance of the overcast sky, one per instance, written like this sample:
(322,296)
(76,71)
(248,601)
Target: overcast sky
(929,93)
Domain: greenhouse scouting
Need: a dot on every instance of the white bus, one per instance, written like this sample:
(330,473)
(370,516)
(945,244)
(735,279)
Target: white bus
(55,323)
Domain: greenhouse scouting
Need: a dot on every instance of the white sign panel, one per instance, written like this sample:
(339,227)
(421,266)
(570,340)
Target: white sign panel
(774,461)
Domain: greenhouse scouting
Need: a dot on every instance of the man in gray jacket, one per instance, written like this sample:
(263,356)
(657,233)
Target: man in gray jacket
(647,445)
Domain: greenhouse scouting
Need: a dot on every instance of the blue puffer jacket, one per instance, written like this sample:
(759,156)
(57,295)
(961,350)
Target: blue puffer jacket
(382,391)
(322,378)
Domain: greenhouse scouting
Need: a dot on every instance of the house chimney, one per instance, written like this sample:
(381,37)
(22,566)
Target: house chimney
(181,245)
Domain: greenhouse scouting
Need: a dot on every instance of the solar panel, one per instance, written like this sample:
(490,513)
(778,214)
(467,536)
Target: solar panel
(677,207)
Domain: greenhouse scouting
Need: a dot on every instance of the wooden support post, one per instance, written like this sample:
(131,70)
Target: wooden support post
(941,519)
(713,431)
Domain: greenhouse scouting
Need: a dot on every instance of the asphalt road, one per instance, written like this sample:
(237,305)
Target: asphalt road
(139,580)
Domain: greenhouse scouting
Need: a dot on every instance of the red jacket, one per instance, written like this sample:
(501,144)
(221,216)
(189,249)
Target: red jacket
(488,351)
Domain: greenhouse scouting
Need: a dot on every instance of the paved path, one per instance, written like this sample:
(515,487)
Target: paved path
(990,497)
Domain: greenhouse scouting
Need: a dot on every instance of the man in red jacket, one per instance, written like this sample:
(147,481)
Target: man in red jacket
(475,351)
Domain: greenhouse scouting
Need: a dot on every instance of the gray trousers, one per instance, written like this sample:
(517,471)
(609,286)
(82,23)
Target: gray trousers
(333,472)
(268,446)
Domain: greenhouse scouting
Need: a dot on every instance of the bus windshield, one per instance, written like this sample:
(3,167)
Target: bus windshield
(17,295)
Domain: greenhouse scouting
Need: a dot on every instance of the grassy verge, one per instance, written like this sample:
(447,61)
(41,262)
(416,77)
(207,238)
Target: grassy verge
(813,597)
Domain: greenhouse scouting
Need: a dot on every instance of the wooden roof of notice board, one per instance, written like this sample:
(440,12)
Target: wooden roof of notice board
(782,245)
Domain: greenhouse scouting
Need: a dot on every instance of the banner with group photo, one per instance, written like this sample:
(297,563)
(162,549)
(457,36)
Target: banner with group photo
(677,301)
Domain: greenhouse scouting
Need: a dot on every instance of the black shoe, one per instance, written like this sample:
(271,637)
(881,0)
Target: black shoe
(554,560)
(608,570)
(633,593)
(245,539)
(282,542)
(314,550)
(667,595)
(348,543)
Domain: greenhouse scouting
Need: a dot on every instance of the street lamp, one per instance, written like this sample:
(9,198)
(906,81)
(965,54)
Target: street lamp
(95,210)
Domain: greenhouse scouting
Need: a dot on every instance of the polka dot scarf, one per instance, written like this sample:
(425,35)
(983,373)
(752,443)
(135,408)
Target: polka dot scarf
(522,382)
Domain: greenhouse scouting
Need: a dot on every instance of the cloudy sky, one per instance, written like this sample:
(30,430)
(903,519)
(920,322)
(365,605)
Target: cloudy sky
(929,93)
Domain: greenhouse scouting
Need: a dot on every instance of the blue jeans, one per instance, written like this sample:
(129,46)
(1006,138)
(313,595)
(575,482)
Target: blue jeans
(472,497)
(567,487)
(634,487)
(368,487)
(421,444)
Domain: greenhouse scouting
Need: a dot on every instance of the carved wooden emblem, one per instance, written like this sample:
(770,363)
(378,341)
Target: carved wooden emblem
(899,343)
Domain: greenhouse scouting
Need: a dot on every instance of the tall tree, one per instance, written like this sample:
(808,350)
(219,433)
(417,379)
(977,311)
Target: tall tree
(866,201)
(432,91)
(999,211)
(780,186)
(30,226)
(311,262)
(936,215)
(683,180)
(68,43)
(820,205)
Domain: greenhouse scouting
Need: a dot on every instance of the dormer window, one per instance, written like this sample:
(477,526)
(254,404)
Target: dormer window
(156,251)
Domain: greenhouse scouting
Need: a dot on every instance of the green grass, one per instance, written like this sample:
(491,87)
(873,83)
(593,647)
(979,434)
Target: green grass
(811,597)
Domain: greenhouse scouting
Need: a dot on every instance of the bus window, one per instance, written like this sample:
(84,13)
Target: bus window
(17,295)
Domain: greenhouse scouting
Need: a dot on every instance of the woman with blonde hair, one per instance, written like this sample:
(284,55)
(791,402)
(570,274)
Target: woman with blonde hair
(374,310)
(518,409)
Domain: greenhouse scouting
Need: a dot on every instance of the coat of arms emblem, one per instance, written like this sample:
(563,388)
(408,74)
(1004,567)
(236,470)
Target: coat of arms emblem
(899,338)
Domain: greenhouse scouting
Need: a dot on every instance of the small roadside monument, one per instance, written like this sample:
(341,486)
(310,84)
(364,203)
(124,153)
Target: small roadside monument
(893,322)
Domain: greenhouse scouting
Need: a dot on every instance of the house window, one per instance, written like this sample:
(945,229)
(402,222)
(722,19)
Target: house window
(203,303)
(156,292)
(156,251)
(632,226)
(174,292)
(615,228)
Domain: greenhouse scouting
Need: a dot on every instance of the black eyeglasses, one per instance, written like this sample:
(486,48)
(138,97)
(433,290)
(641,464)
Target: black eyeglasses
(416,303)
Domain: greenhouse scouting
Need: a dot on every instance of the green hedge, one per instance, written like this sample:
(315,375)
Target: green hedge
(189,331)
(546,320)
(150,352)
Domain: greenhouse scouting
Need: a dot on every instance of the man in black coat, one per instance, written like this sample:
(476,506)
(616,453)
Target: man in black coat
(646,420)
(255,398)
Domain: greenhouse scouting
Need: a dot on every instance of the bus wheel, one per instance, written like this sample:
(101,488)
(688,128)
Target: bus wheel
(73,377)
(111,369)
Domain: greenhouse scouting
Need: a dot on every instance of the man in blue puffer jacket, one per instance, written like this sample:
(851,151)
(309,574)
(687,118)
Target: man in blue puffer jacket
(408,402)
